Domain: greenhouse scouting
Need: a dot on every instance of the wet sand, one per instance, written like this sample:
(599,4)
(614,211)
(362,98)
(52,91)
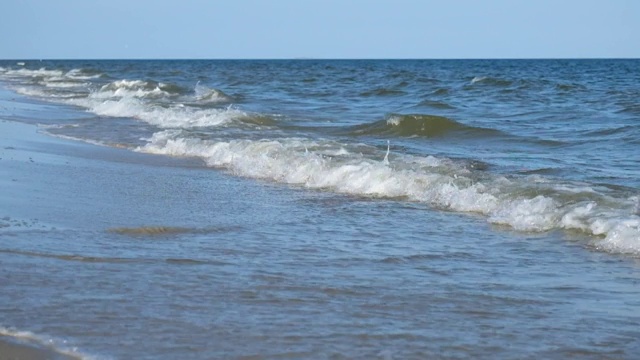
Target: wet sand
(47,183)
(20,146)
(76,184)
(13,350)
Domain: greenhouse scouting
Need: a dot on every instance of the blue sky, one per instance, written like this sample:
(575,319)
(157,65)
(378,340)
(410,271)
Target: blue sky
(319,29)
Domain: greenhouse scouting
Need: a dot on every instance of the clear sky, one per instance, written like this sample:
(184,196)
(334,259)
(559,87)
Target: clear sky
(319,29)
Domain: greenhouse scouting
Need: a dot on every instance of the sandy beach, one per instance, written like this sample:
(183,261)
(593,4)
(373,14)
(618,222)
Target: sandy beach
(34,196)
(54,182)
(49,183)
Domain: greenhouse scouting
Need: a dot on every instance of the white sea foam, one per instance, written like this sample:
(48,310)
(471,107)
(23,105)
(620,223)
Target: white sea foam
(174,116)
(30,91)
(130,88)
(440,183)
(42,72)
(129,98)
(52,79)
(17,333)
(43,93)
(64,84)
(394,121)
(478,79)
(79,75)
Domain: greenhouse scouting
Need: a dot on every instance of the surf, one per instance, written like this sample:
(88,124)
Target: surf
(513,201)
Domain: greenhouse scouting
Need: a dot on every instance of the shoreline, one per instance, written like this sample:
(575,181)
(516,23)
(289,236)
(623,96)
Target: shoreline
(26,157)
(50,183)
(10,349)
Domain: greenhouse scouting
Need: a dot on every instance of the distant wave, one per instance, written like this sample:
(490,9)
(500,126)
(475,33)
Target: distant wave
(419,125)
(160,104)
(29,73)
(173,116)
(52,75)
(631,109)
(440,92)
(569,87)
(139,88)
(165,105)
(149,230)
(383,92)
(616,132)
(84,74)
(491,81)
(523,84)
(80,82)
(436,104)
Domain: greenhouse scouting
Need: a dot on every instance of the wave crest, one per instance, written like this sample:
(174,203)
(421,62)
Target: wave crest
(418,125)
(383,92)
(176,116)
(491,81)
(138,88)
(205,95)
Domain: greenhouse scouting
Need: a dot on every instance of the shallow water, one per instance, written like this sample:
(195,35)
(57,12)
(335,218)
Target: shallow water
(325,209)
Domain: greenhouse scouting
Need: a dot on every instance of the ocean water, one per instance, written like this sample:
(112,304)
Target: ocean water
(403,209)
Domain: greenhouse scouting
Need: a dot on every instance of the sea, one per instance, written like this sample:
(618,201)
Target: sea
(328,209)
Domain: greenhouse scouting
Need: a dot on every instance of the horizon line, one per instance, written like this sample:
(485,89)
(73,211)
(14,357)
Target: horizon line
(311,58)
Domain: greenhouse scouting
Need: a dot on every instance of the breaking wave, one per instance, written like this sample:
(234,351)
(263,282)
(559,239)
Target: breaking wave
(138,88)
(165,105)
(530,203)
(172,116)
